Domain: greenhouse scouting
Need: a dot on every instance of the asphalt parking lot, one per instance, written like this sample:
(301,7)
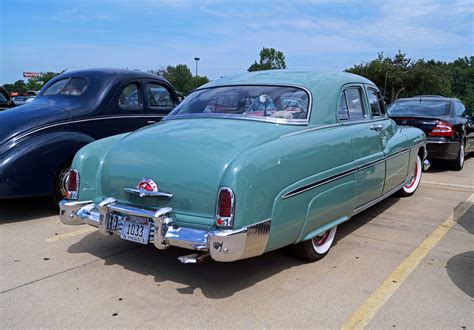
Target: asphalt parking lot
(403,263)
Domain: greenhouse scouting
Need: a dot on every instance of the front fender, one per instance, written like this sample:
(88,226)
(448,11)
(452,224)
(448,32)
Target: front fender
(28,168)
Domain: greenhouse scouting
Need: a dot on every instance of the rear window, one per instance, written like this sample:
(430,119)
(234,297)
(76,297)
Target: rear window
(269,103)
(420,107)
(68,86)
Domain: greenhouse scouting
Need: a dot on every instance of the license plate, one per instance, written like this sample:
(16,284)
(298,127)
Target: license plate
(135,229)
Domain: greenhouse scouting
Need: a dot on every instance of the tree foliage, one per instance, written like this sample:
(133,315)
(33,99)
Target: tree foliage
(403,77)
(32,84)
(181,77)
(269,59)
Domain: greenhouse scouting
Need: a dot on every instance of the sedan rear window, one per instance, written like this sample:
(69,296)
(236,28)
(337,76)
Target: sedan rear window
(269,103)
(419,107)
(68,86)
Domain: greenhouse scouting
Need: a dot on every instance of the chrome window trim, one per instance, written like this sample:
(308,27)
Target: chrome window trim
(265,119)
(365,117)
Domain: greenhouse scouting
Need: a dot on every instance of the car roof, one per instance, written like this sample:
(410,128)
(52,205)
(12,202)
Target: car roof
(324,87)
(111,73)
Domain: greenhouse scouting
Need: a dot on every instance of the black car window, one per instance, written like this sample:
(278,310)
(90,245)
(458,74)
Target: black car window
(374,102)
(419,107)
(3,99)
(158,96)
(56,87)
(75,86)
(130,97)
(68,86)
(459,109)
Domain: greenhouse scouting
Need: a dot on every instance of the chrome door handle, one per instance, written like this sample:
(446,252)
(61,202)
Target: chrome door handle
(151,122)
(377,127)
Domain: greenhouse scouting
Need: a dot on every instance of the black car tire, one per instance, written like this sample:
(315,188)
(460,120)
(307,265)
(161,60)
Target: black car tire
(458,163)
(316,248)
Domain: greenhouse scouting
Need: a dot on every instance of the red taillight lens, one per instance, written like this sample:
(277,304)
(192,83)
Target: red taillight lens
(442,129)
(72,184)
(72,180)
(225,208)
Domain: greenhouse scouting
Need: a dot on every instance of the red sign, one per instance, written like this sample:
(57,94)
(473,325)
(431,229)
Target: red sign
(31,74)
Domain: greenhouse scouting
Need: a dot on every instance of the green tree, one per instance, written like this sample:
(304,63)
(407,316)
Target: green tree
(181,77)
(33,84)
(18,86)
(269,59)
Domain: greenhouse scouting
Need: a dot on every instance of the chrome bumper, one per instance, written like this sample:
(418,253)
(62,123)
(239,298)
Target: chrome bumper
(222,245)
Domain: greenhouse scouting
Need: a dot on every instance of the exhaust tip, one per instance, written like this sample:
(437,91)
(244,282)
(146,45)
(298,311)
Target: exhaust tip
(426,165)
(193,258)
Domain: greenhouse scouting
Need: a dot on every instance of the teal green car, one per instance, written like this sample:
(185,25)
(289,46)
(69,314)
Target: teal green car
(248,164)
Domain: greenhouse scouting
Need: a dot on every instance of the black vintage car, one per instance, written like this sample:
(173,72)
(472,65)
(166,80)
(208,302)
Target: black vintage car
(447,123)
(5,101)
(38,140)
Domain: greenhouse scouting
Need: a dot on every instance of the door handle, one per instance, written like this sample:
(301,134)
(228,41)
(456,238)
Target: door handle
(151,121)
(377,127)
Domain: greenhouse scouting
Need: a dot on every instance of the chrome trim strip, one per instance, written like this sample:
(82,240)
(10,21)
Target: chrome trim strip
(378,199)
(145,193)
(266,119)
(144,116)
(370,164)
(317,183)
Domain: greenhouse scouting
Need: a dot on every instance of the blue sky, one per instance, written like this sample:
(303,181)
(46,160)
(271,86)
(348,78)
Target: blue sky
(51,35)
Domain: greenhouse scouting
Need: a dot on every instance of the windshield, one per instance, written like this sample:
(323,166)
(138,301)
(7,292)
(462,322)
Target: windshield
(420,107)
(269,103)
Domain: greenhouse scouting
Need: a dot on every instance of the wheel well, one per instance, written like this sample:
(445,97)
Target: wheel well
(421,153)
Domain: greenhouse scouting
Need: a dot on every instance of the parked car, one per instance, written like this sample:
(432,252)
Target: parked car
(5,101)
(39,139)
(447,123)
(223,178)
(20,99)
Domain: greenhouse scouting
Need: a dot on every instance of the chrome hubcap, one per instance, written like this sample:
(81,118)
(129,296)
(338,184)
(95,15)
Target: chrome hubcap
(63,177)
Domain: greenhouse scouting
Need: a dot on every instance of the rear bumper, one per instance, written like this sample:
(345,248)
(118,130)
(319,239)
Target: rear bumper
(443,150)
(222,245)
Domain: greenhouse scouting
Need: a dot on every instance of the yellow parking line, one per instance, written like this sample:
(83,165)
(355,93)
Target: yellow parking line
(365,313)
(71,234)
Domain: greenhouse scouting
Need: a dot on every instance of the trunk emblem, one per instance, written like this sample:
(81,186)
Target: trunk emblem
(147,188)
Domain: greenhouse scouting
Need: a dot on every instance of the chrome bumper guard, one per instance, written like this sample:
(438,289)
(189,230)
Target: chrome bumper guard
(223,245)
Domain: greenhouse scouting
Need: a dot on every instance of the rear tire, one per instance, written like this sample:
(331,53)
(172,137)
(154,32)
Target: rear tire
(316,248)
(60,185)
(410,187)
(458,163)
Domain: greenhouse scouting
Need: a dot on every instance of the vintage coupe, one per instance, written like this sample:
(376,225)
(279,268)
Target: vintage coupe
(38,140)
(248,164)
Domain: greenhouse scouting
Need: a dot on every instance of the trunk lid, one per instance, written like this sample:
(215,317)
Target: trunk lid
(426,124)
(184,157)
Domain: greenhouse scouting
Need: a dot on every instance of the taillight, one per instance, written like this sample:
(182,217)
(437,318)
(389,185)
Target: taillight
(442,129)
(72,185)
(225,207)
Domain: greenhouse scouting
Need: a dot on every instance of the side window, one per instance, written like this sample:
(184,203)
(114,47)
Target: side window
(57,87)
(158,96)
(3,99)
(459,109)
(130,97)
(354,102)
(343,111)
(374,102)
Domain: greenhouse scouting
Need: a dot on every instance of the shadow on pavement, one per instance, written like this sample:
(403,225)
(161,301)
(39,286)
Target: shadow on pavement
(23,209)
(460,269)
(215,280)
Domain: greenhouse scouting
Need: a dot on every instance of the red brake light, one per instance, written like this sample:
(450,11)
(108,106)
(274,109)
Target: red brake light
(72,184)
(225,208)
(442,129)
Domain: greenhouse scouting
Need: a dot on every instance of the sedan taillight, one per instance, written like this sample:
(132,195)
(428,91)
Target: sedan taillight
(443,128)
(225,207)
(72,184)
